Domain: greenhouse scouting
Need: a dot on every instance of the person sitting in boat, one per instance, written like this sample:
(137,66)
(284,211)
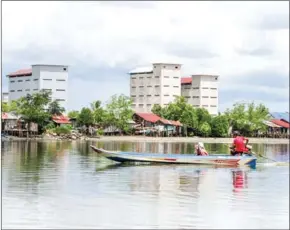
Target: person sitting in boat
(239,146)
(200,149)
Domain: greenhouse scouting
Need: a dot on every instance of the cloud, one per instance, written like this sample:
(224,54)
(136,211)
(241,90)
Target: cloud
(102,41)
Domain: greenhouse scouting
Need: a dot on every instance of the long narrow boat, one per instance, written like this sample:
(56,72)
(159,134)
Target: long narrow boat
(222,160)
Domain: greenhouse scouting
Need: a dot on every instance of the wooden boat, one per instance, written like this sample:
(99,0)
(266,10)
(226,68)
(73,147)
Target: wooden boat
(218,159)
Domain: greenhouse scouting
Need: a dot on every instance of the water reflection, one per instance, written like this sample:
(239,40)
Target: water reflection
(67,185)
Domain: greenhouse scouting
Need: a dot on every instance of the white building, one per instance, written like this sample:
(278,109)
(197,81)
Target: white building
(53,78)
(201,91)
(5,97)
(157,84)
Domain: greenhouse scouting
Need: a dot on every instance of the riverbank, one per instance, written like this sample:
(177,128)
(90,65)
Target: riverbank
(160,139)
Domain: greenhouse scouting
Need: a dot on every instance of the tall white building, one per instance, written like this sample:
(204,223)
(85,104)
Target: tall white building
(53,78)
(5,97)
(157,84)
(201,91)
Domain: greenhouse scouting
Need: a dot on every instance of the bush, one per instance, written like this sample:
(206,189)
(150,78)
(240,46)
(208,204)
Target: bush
(100,132)
(62,130)
(49,126)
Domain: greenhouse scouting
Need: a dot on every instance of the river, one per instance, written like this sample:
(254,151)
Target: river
(65,185)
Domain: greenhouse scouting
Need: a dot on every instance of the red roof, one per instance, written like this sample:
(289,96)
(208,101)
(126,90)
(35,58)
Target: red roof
(150,117)
(21,73)
(61,119)
(186,80)
(284,124)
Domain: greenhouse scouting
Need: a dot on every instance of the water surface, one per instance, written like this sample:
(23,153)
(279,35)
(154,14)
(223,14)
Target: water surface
(66,185)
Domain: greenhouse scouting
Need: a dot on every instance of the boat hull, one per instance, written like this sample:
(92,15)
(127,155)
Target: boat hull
(222,160)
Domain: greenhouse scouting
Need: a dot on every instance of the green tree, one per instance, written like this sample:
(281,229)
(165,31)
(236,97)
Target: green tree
(54,108)
(119,112)
(174,110)
(158,110)
(33,108)
(85,117)
(73,114)
(247,117)
(205,129)
(100,115)
(9,107)
(219,126)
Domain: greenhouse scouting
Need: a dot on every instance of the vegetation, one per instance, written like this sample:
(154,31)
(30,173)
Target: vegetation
(38,108)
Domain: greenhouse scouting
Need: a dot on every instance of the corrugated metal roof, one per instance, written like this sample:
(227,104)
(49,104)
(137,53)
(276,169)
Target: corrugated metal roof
(271,124)
(278,115)
(61,119)
(21,72)
(281,123)
(146,69)
(10,116)
(186,80)
(150,117)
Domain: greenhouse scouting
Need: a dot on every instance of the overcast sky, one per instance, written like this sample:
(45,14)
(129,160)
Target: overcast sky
(246,43)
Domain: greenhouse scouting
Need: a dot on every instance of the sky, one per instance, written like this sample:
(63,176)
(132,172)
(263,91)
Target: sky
(245,43)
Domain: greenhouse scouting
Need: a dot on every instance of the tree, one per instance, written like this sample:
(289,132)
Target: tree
(73,114)
(158,110)
(54,108)
(33,108)
(9,107)
(85,117)
(119,111)
(100,116)
(247,118)
(219,126)
(174,110)
(205,129)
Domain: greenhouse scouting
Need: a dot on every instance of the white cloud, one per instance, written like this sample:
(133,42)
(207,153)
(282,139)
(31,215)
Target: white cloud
(225,38)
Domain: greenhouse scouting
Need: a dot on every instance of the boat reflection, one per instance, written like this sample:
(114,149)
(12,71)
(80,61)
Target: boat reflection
(240,180)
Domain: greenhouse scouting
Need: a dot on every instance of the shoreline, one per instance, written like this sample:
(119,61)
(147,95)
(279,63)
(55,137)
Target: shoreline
(159,139)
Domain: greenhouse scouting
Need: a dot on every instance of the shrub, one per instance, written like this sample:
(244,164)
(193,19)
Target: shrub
(62,130)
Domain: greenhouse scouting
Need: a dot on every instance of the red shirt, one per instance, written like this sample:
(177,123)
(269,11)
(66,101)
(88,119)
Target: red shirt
(239,144)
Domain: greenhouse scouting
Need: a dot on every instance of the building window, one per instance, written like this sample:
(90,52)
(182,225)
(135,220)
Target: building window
(35,79)
(133,95)
(156,95)
(20,80)
(60,99)
(47,89)
(20,90)
(140,105)
(141,86)
(213,97)
(12,91)
(157,86)
(187,96)
(141,95)
(60,79)
(60,89)
(176,67)
(204,96)
(186,88)
(175,77)
(133,105)
(195,97)
(166,76)
(166,95)
(27,80)
(149,77)
(149,86)
(148,95)
(205,106)
(204,87)
(148,104)
(46,79)
(213,106)
(176,86)
(195,87)
(216,78)
(64,69)
(133,86)
(133,77)
(35,89)
(213,88)
(156,76)
(12,81)
(141,77)
(27,90)
(166,86)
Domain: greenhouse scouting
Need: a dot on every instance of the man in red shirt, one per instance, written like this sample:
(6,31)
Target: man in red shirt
(239,147)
